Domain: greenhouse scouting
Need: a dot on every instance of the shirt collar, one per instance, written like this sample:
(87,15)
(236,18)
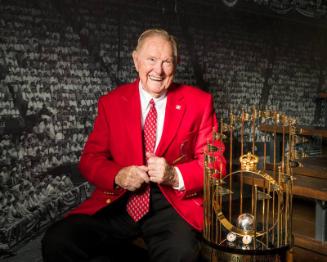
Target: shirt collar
(146,97)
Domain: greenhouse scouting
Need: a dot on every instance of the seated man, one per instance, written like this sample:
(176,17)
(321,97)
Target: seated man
(145,158)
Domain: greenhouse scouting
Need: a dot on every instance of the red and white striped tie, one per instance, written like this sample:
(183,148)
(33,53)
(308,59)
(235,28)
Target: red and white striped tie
(139,202)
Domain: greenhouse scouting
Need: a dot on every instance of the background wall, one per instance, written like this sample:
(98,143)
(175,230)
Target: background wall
(58,57)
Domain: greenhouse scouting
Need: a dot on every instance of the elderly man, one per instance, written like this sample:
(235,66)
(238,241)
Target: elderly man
(145,158)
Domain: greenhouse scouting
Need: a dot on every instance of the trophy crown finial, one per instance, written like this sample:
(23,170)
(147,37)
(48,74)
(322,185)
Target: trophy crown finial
(249,162)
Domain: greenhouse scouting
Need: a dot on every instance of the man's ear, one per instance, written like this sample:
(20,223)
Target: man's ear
(135,60)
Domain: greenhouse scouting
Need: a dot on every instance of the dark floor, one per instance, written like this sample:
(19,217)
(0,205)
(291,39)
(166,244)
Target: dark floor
(30,252)
(303,222)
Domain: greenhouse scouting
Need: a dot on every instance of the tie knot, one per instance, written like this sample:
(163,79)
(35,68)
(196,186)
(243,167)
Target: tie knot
(152,103)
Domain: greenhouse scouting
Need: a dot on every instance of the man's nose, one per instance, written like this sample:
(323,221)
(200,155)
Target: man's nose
(158,67)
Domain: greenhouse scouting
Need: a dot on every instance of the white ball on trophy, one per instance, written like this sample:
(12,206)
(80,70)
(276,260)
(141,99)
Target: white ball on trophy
(231,237)
(246,239)
(245,221)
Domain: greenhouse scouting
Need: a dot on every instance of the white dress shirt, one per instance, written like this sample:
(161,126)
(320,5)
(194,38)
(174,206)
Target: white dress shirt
(160,104)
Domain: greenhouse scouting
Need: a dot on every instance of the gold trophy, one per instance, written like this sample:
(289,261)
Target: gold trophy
(248,212)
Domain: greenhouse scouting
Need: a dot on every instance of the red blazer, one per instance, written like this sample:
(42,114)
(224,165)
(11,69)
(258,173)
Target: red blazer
(116,142)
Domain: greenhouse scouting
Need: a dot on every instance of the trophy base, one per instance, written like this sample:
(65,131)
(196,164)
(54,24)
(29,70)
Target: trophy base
(215,253)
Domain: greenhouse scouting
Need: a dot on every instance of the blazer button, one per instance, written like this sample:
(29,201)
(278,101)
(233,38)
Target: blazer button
(108,201)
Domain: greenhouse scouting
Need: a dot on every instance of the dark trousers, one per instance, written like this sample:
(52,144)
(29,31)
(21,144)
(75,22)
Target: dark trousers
(109,232)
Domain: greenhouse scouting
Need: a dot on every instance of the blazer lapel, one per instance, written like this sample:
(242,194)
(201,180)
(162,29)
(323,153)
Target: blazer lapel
(175,109)
(132,118)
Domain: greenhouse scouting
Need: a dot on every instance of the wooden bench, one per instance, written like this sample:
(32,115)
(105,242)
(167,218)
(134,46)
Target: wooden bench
(311,177)
(310,183)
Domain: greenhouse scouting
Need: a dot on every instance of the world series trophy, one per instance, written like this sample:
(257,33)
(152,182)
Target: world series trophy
(248,212)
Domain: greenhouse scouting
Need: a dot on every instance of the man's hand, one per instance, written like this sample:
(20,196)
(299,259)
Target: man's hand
(132,178)
(160,172)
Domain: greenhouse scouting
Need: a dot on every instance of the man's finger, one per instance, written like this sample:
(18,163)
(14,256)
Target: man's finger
(142,173)
(144,168)
(149,155)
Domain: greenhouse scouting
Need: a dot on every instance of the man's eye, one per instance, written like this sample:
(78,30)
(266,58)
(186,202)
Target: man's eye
(152,59)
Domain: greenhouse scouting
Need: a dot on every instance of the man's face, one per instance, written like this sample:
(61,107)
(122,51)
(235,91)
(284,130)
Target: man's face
(154,61)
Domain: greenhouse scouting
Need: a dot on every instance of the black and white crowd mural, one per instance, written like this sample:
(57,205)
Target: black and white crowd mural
(58,57)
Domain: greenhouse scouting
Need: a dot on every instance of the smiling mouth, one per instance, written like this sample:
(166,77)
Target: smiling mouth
(156,78)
